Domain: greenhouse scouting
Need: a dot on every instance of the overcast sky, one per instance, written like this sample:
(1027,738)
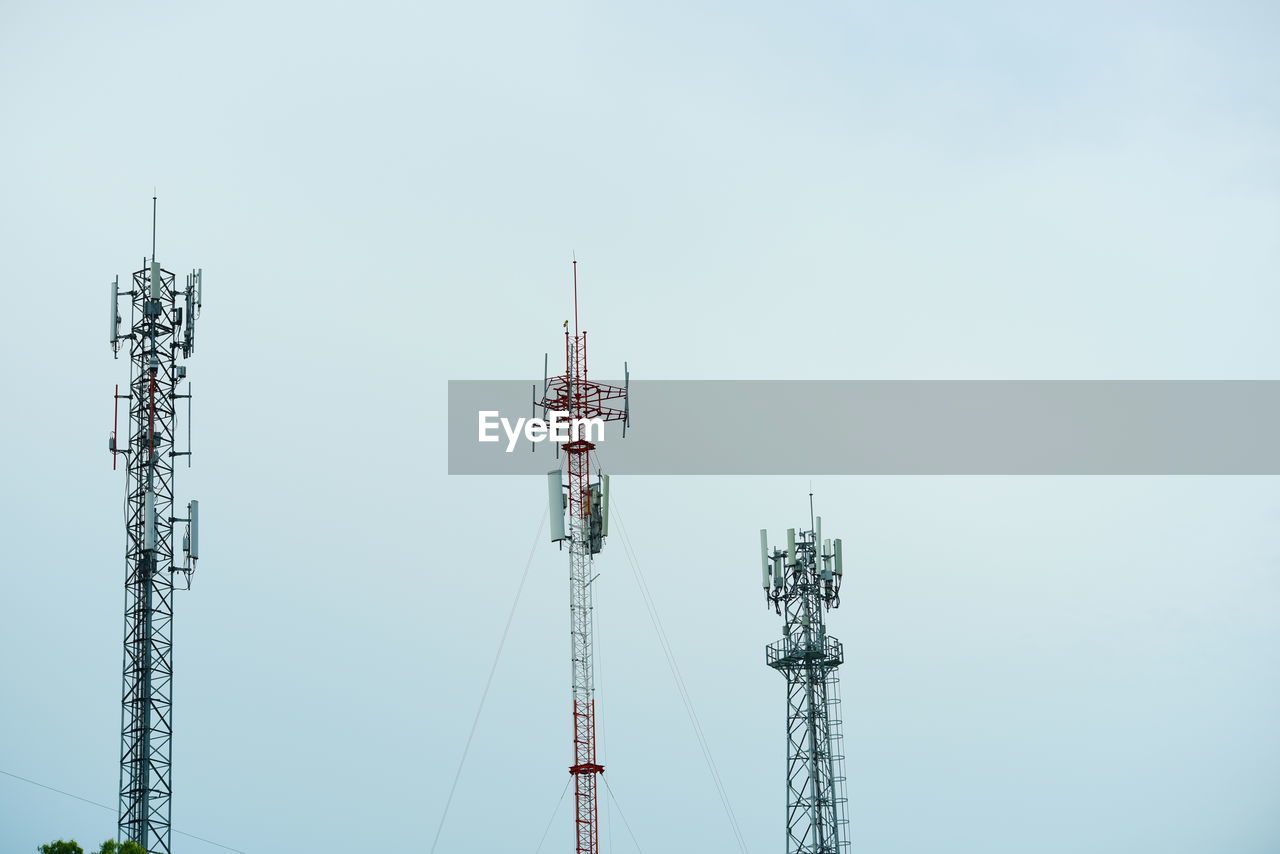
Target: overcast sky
(386,197)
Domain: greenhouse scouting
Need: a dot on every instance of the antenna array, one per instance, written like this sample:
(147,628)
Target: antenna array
(801,582)
(587,504)
(161,329)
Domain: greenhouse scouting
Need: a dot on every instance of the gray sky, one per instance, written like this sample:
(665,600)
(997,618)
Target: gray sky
(384,199)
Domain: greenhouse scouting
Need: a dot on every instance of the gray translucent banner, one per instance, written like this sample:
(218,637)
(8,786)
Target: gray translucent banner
(812,427)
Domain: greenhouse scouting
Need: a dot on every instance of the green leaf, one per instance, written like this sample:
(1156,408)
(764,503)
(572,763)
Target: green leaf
(61,847)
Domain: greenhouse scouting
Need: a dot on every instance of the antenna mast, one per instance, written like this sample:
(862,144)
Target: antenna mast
(162,329)
(800,583)
(588,511)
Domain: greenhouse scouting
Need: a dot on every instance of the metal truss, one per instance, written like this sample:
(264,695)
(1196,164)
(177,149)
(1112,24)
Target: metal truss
(157,335)
(805,584)
(577,396)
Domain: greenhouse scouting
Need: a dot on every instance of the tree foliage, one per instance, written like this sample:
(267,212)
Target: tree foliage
(108,847)
(61,847)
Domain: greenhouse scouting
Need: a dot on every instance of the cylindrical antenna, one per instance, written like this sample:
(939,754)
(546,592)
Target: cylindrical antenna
(153,224)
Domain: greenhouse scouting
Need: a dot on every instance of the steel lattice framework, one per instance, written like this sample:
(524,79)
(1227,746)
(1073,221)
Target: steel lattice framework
(805,582)
(160,332)
(573,393)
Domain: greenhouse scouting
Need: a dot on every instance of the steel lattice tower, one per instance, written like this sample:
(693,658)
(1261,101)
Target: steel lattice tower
(801,583)
(160,332)
(587,503)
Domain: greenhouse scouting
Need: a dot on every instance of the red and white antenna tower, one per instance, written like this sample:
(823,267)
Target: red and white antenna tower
(574,395)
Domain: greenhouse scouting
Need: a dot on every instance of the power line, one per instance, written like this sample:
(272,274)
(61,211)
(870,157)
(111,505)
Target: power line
(555,812)
(113,809)
(681,688)
(59,791)
(621,814)
(484,695)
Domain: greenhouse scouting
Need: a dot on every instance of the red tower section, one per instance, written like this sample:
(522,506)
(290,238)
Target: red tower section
(574,395)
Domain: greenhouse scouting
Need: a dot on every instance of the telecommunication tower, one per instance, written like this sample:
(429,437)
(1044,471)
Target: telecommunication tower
(587,504)
(800,583)
(161,330)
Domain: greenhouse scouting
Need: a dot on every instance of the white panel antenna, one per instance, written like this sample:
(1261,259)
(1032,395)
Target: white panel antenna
(115,315)
(193,512)
(189,324)
(626,399)
(556,505)
(604,505)
(192,301)
(764,558)
(817,542)
(149,521)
